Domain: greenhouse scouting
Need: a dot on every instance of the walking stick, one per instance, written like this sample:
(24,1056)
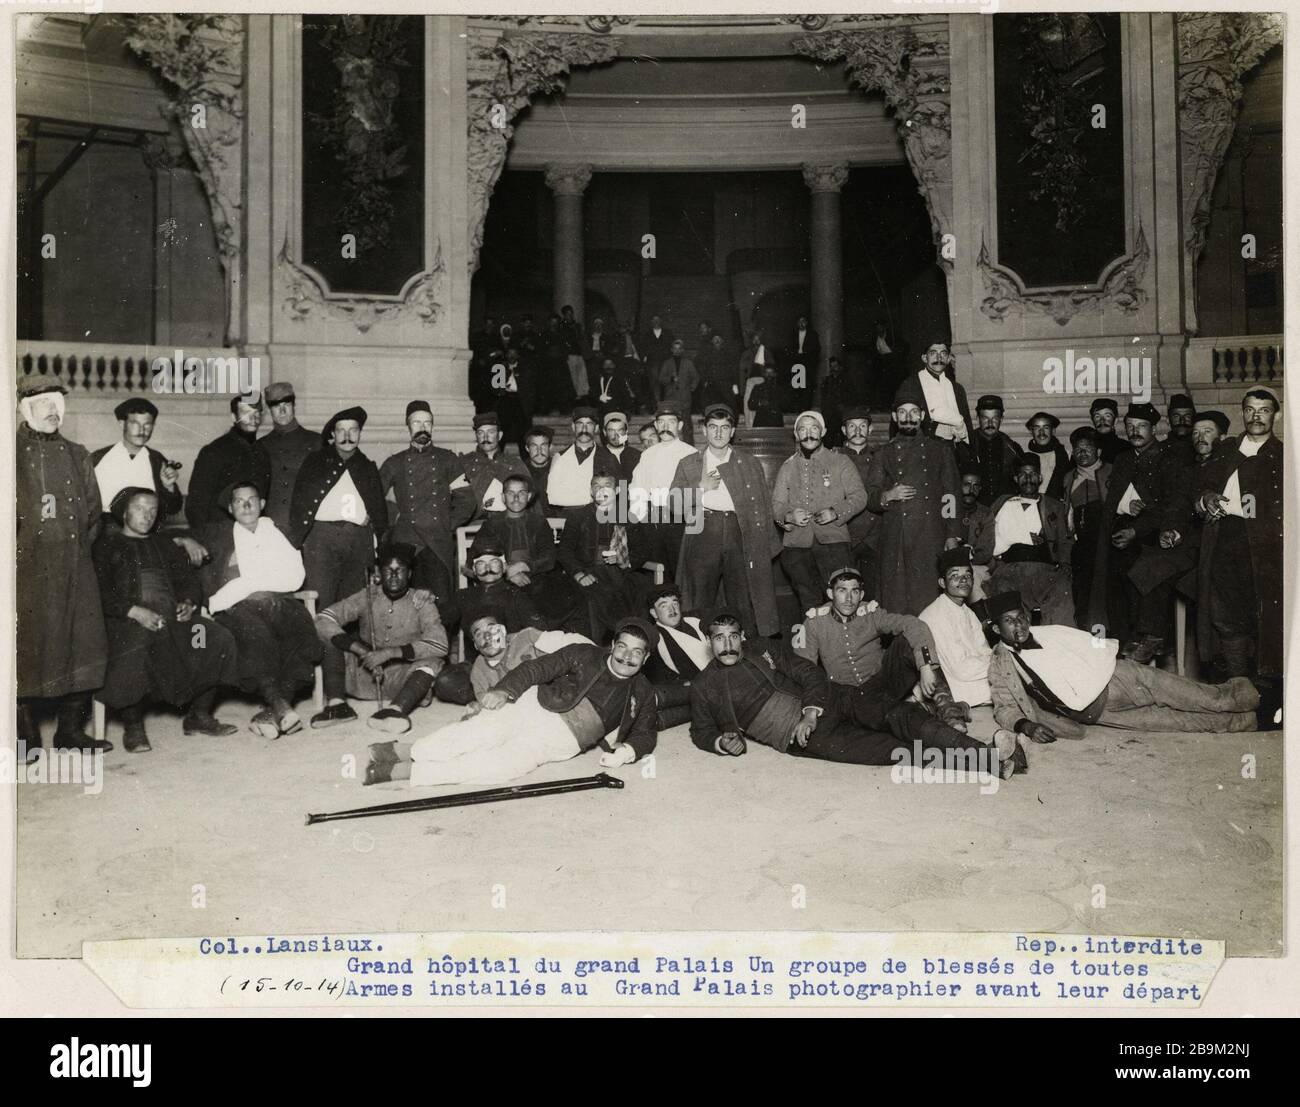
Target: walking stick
(465,799)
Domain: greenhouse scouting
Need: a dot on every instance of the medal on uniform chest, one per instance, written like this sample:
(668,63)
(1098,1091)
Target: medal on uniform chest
(826,479)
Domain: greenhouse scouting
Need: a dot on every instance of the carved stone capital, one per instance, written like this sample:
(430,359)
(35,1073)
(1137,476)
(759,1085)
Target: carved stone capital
(906,59)
(1215,51)
(505,71)
(305,300)
(1120,287)
(825,178)
(568,180)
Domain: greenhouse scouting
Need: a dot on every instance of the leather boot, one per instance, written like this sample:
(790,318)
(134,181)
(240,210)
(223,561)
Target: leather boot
(72,716)
(28,733)
(1236,656)
(200,720)
(134,738)
(396,719)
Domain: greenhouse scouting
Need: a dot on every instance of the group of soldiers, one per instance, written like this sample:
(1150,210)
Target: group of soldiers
(956,586)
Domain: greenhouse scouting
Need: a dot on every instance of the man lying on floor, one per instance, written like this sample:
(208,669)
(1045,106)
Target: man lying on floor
(1049,682)
(549,709)
(768,693)
(499,653)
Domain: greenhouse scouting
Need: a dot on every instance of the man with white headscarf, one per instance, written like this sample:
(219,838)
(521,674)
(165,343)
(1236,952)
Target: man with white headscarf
(62,650)
(817,492)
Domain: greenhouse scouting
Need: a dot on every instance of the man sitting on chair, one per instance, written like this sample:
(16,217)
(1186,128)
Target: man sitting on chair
(397,650)
(549,709)
(249,580)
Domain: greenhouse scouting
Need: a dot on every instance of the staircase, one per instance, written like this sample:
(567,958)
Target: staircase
(683,302)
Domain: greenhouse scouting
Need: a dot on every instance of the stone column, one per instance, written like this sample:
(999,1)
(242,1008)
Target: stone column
(568,183)
(825,182)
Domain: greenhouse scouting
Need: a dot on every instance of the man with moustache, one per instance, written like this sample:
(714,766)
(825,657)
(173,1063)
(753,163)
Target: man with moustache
(568,485)
(433,498)
(62,648)
(236,455)
(614,455)
(683,652)
(614,392)
(657,535)
(287,445)
(1104,414)
(817,492)
(1053,461)
(731,542)
(1086,483)
(1150,494)
(1049,682)
(864,527)
(1182,414)
(990,452)
(490,590)
(976,530)
(549,709)
(765,692)
(944,400)
(913,484)
(537,462)
(1032,547)
(487,466)
(498,653)
(1241,568)
(131,462)
(338,510)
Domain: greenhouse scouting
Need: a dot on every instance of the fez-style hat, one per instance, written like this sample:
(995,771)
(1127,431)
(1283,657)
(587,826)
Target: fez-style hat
(910,392)
(959,557)
(1146,412)
(999,605)
(136,405)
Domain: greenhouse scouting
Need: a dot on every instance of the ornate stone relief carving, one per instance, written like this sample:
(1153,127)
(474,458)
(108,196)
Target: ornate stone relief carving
(1215,50)
(906,59)
(199,57)
(304,299)
(505,73)
(1120,288)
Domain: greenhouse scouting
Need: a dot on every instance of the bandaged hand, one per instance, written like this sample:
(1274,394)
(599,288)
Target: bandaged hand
(620,754)
(732,743)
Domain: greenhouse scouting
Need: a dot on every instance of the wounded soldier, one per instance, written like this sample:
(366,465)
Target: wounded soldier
(398,648)
(549,709)
(1049,682)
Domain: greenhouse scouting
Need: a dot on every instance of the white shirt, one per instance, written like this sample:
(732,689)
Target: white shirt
(1072,663)
(343,504)
(1046,467)
(1232,490)
(802,335)
(117,469)
(941,399)
(1018,520)
(569,481)
(1126,501)
(267,563)
(699,650)
(964,654)
(717,499)
(654,473)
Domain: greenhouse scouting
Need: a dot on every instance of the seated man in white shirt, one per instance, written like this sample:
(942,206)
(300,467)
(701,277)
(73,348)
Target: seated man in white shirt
(963,651)
(1050,682)
(249,582)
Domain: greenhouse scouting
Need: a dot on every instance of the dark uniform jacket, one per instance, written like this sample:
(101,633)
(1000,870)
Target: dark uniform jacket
(233,456)
(320,472)
(571,674)
(764,668)
(481,471)
(995,461)
(428,510)
(287,449)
